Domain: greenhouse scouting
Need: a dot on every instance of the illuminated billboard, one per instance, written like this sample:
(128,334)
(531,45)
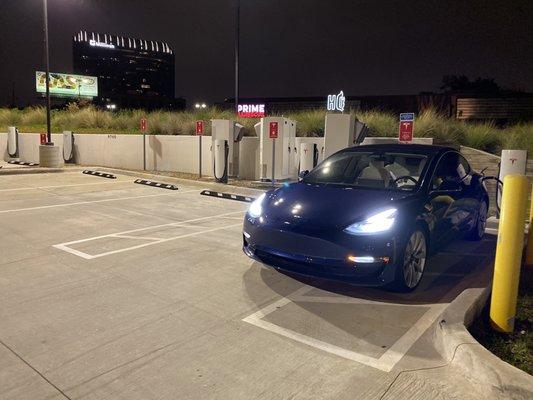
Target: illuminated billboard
(67,85)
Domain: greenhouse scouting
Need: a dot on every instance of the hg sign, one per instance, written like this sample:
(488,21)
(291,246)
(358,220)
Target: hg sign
(336,102)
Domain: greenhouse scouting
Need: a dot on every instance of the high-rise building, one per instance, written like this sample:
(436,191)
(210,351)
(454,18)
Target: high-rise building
(132,73)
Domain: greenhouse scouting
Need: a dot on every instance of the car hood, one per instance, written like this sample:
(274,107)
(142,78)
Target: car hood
(325,206)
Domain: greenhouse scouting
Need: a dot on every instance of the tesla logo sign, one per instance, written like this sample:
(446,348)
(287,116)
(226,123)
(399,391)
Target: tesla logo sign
(144,124)
(101,44)
(513,160)
(199,127)
(336,102)
(273,130)
(251,110)
(405,133)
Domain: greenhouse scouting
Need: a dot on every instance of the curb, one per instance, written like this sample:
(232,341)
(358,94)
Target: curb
(29,170)
(155,184)
(485,371)
(229,196)
(190,182)
(29,164)
(100,174)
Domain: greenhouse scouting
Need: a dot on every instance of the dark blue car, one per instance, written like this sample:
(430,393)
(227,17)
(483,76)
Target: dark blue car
(369,214)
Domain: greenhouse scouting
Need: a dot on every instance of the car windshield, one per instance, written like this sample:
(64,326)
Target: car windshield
(372,170)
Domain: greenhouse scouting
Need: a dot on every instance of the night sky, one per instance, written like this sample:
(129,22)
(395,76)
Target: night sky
(288,47)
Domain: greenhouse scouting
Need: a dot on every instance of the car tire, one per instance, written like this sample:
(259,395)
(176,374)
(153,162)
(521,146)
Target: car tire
(478,229)
(412,261)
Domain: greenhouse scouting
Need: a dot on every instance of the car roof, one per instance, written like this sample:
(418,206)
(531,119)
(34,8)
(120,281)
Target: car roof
(400,147)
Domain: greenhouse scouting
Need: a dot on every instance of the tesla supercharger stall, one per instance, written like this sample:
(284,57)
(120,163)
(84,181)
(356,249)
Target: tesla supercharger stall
(68,146)
(512,162)
(277,156)
(309,156)
(341,131)
(13,142)
(225,138)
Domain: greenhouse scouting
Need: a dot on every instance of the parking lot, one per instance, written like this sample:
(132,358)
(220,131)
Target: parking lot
(114,290)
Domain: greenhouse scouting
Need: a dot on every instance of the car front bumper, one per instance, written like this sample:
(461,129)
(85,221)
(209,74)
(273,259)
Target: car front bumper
(324,254)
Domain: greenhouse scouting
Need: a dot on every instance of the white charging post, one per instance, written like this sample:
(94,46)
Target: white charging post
(13,142)
(512,162)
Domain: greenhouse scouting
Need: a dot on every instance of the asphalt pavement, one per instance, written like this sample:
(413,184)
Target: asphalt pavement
(114,290)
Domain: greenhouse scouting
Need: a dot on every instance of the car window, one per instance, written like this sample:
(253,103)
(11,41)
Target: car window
(377,170)
(451,167)
(463,167)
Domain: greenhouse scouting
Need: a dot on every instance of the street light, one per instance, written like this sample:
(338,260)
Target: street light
(237,23)
(47,62)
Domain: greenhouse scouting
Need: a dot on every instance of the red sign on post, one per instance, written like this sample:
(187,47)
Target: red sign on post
(199,127)
(406,131)
(273,131)
(144,124)
(43,138)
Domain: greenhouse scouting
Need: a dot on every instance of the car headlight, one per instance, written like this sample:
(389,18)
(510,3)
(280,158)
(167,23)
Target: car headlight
(256,208)
(377,223)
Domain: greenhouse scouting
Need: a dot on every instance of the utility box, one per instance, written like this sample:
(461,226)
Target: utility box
(231,132)
(285,165)
(339,133)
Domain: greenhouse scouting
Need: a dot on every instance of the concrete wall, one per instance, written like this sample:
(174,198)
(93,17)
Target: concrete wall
(163,152)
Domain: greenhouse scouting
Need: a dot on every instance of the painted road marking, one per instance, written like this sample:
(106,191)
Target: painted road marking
(62,186)
(153,241)
(385,362)
(93,201)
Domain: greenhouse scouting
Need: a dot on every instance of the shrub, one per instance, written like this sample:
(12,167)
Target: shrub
(88,119)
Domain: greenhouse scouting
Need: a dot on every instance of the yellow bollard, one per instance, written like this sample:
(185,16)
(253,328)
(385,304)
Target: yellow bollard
(529,248)
(508,253)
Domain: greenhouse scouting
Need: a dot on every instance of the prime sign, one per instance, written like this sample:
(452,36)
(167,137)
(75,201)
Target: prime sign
(336,102)
(251,110)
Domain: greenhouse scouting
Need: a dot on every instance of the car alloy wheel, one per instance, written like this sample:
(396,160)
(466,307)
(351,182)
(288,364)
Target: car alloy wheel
(414,259)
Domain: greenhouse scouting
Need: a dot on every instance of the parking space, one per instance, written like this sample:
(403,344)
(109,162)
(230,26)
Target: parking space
(120,291)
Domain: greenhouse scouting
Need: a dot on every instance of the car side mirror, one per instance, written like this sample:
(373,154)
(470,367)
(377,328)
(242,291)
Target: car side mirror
(303,174)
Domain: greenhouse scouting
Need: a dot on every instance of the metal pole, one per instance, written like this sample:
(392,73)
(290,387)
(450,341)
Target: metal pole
(200,156)
(237,23)
(273,159)
(144,151)
(47,62)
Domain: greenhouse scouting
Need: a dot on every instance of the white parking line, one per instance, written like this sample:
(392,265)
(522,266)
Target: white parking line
(385,362)
(60,186)
(92,201)
(66,246)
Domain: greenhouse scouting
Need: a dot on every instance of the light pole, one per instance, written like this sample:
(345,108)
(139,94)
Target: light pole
(237,21)
(47,62)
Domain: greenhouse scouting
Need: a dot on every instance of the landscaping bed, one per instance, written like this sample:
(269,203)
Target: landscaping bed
(515,348)
(483,136)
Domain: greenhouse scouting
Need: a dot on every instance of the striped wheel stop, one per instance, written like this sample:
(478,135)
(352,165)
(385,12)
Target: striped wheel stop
(156,184)
(101,174)
(229,196)
(29,164)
